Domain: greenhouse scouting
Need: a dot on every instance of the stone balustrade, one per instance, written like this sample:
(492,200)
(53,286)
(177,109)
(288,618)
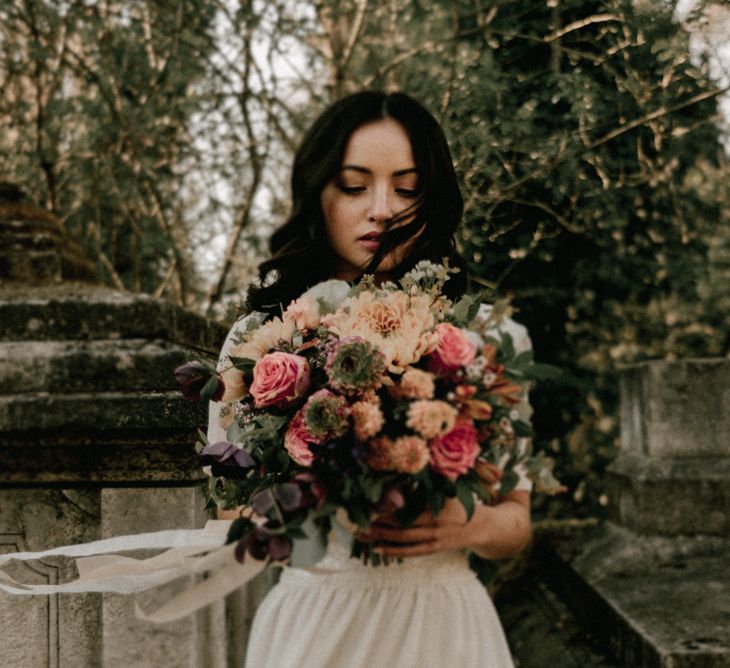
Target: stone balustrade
(96,441)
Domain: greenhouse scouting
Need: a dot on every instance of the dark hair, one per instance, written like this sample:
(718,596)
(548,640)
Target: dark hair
(300,251)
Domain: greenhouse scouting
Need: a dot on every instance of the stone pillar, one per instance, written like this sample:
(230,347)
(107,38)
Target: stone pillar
(652,585)
(95,441)
(672,476)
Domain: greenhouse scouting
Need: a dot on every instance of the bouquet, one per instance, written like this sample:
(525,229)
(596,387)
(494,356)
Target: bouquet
(373,400)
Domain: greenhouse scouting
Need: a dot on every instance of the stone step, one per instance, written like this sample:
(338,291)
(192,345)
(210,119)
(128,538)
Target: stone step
(80,413)
(99,438)
(670,497)
(106,458)
(83,312)
(542,630)
(60,367)
(655,602)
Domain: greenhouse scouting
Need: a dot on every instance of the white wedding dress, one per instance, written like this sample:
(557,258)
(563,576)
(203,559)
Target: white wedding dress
(332,611)
(424,612)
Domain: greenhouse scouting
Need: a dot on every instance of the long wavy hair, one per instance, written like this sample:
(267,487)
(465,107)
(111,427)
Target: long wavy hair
(301,255)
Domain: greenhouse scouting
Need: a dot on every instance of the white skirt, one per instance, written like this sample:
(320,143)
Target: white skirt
(424,612)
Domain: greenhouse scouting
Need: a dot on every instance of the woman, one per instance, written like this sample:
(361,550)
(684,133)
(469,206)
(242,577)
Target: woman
(374,191)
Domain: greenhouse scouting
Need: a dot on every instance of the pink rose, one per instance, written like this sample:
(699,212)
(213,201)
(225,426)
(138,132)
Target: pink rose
(455,453)
(454,350)
(279,379)
(297,440)
(304,312)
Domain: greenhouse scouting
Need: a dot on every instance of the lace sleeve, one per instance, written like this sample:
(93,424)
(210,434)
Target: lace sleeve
(220,412)
(522,342)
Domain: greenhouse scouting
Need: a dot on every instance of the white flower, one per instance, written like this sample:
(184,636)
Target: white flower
(475,370)
(333,292)
(489,379)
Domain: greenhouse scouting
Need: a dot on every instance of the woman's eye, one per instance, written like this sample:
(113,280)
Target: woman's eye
(351,190)
(406,192)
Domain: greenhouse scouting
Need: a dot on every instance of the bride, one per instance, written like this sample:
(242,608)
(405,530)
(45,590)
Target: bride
(374,191)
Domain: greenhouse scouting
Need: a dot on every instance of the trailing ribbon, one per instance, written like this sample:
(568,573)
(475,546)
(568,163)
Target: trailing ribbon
(188,552)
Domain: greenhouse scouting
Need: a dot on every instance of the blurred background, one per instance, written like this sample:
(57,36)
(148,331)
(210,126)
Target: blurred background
(590,138)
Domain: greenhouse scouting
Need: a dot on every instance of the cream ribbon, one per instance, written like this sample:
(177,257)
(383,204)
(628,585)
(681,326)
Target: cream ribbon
(188,552)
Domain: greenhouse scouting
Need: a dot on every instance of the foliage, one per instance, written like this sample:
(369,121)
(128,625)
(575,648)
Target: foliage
(594,177)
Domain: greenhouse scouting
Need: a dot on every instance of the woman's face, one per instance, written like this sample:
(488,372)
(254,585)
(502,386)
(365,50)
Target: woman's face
(377,181)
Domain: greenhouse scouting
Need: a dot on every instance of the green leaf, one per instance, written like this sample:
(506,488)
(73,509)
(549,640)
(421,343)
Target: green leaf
(522,429)
(465,495)
(244,364)
(238,529)
(464,307)
(373,488)
(474,308)
(324,306)
(540,371)
(437,501)
(359,517)
(209,388)
(508,482)
(526,357)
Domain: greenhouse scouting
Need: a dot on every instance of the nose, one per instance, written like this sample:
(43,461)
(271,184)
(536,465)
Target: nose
(381,206)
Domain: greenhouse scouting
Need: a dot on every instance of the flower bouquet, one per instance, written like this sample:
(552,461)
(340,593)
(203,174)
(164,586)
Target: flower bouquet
(376,400)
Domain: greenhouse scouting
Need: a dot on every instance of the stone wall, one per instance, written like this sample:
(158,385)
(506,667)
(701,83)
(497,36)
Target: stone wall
(96,441)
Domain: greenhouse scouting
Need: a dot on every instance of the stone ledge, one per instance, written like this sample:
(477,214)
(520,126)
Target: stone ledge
(103,411)
(657,602)
(108,458)
(693,494)
(90,366)
(81,312)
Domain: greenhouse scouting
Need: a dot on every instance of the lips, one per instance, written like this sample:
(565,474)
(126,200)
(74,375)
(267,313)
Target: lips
(371,241)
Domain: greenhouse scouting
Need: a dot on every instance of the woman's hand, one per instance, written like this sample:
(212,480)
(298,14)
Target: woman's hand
(493,532)
(230,513)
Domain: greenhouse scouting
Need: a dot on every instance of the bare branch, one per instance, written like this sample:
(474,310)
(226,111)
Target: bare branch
(582,23)
(654,115)
(354,34)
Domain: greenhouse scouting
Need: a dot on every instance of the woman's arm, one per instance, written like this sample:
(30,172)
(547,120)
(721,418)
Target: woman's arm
(493,532)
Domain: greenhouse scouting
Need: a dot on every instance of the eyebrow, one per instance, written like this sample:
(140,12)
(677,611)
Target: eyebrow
(365,170)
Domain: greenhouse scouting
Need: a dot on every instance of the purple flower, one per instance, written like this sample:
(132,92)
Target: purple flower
(199,381)
(226,459)
(262,543)
(312,489)
(290,496)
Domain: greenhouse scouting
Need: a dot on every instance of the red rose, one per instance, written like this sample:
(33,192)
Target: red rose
(455,453)
(279,379)
(454,350)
